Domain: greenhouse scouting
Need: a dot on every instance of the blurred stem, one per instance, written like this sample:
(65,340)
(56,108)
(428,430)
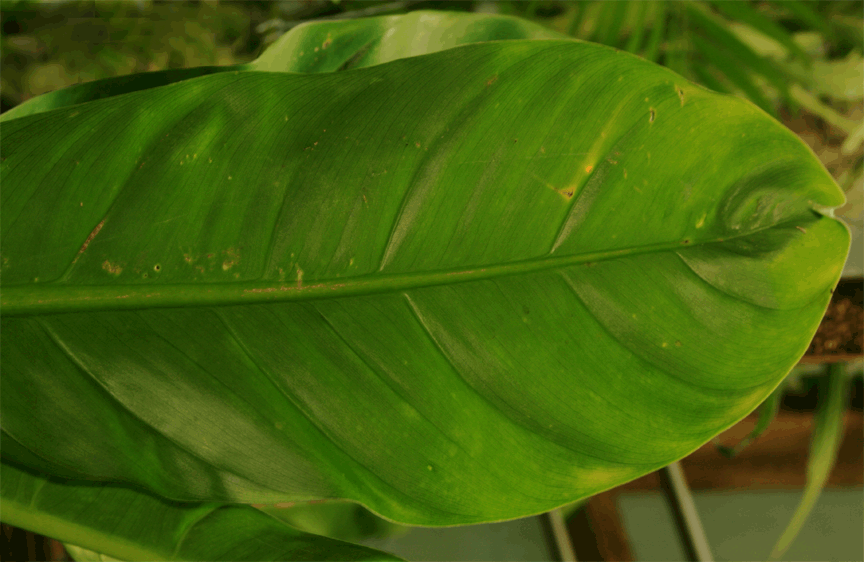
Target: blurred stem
(634,42)
(578,12)
(824,444)
(851,177)
(812,104)
(652,51)
(853,141)
(767,412)
(676,42)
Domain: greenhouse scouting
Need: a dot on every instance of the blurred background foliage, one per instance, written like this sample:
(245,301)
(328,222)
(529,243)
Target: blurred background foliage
(799,61)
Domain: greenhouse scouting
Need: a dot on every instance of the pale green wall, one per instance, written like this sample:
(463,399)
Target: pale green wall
(745,526)
(740,526)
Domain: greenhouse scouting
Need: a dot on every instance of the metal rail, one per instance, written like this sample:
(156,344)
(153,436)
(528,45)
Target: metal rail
(557,528)
(684,511)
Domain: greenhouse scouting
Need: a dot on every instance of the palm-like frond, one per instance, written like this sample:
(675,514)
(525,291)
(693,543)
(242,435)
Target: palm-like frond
(695,39)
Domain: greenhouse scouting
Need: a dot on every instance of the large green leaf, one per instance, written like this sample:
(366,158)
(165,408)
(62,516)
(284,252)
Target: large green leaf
(461,287)
(136,526)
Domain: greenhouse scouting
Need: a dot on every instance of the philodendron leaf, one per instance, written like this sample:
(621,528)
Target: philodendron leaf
(462,287)
(123,523)
(320,47)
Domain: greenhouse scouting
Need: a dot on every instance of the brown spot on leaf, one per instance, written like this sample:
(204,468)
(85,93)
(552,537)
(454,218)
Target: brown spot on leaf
(89,238)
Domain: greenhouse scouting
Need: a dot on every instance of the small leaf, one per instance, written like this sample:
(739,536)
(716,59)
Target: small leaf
(113,521)
(80,554)
(345,521)
(767,412)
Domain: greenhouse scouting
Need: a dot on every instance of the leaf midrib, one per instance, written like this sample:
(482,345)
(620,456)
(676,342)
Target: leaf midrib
(22,300)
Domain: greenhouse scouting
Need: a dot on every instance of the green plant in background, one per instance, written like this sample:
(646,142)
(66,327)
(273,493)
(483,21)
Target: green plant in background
(452,282)
(720,44)
(48,46)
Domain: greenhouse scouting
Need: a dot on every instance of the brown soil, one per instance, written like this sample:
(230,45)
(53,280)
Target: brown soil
(841,333)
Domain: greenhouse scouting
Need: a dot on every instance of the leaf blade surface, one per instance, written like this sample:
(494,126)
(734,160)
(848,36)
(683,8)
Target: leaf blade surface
(462,287)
